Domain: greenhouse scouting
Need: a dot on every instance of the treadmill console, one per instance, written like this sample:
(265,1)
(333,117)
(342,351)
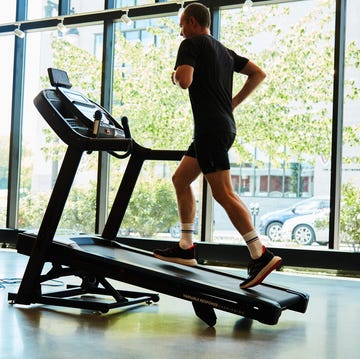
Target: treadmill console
(99,122)
(80,113)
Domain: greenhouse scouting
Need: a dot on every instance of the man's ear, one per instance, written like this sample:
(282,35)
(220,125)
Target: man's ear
(192,21)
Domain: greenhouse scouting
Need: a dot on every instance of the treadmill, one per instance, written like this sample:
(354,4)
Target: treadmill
(86,126)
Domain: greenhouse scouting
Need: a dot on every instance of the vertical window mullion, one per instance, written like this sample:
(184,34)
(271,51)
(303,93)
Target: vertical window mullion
(16,120)
(337,127)
(64,7)
(102,191)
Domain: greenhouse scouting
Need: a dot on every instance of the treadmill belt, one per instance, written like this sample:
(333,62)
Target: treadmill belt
(197,275)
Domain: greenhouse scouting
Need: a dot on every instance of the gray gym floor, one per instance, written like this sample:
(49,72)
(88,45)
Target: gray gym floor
(169,329)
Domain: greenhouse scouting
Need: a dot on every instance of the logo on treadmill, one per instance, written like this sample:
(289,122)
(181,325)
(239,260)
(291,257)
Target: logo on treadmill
(217,305)
(200,300)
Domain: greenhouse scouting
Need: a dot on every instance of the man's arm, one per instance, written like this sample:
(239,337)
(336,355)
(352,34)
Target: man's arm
(183,76)
(254,76)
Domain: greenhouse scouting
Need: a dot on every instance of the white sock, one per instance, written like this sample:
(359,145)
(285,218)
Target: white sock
(254,244)
(187,231)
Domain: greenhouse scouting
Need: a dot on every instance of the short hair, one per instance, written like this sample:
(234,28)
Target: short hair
(200,13)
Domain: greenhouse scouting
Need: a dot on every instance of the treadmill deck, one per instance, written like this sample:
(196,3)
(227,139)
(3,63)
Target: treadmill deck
(198,284)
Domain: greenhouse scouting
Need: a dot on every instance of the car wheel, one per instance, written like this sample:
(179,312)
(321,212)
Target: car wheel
(303,234)
(273,231)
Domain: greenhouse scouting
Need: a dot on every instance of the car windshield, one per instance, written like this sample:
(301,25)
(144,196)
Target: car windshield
(306,207)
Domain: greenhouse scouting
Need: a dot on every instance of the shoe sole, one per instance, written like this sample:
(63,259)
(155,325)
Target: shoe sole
(186,262)
(272,265)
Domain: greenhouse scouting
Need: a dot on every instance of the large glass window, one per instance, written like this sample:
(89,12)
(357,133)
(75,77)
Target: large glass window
(159,117)
(49,8)
(79,6)
(350,194)
(128,3)
(42,151)
(159,113)
(152,211)
(281,161)
(6,71)
(7,11)
(284,129)
(45,8)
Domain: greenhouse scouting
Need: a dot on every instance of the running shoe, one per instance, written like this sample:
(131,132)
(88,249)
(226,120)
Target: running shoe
(175,254)
(259,268)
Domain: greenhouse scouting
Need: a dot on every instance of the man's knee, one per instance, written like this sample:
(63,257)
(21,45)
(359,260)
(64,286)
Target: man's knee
(220,196)
(226,198)
(178,182)
(175,179)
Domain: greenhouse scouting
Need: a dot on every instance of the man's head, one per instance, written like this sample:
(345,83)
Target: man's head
(195,20)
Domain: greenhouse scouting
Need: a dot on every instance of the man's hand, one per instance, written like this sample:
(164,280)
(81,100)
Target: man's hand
(255,76)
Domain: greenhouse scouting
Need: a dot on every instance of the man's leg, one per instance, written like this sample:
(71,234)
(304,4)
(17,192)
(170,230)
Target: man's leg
(186,173)
(222,190)
(183,252)
(263,261)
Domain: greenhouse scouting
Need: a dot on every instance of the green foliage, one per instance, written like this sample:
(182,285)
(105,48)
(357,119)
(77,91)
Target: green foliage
(74,60)
(159,112)
(79,212)
(31,209)
(54,149)
(293,108)
(350,215)
(84,69)
(288,117)
(152,208)
(349,218)
(78,215)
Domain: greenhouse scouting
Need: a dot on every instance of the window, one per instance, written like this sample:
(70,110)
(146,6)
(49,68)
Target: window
(7,11)
(350,194)
(282,155)
(80,6)
(40,9)
(42,151)
(6,70)
(159,117)
(284,128)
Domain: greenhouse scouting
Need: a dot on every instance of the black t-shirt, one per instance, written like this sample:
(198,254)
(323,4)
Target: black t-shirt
(211,90)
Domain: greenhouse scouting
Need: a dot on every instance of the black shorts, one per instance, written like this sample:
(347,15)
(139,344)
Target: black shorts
(212,151)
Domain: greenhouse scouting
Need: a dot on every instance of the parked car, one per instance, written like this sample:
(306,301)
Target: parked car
(271,223)
(302,229)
